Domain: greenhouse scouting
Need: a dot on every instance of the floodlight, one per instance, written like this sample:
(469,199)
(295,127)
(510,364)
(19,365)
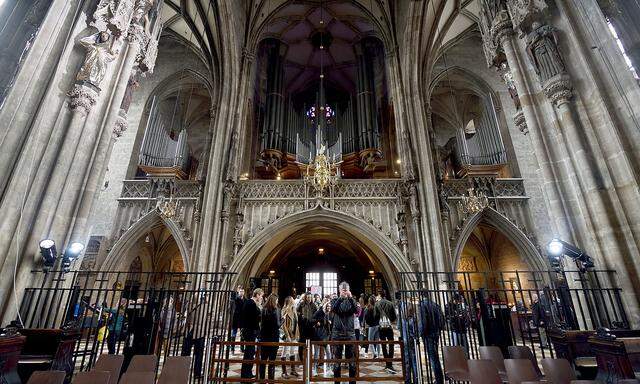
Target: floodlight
(555,248)
(48,252)
(73,251)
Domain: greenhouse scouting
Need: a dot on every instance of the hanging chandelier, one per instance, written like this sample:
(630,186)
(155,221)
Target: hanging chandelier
(325,170)
(474,202)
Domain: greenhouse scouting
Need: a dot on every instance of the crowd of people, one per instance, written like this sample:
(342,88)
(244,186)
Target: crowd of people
(336,317)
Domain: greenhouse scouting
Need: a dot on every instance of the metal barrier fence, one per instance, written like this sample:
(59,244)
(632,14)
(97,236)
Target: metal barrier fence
(503,308)
(166,314)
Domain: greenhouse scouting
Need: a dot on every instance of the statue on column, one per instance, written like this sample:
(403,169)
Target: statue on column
(99,54)
(542,48)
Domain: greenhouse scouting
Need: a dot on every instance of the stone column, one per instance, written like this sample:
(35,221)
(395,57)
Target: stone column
(503,35)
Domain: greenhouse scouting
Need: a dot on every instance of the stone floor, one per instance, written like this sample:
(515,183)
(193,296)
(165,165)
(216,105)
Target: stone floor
(372,370)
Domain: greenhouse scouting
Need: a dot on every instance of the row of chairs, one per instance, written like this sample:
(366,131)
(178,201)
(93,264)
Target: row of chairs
(521,368)
(141,370)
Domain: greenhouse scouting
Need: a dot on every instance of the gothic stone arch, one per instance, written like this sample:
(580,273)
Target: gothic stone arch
(386,253)
(527,249)
(118,256)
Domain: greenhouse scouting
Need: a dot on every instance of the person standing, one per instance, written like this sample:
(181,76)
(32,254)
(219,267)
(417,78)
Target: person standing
(459,320)
(291,333)
(387,318)
(539,311)
(343,308)
(432,322)
(269,333)
(363,326)
(117,317)
(250,323)
(409,334)
(306,310)
(237,312)
(197,317)
(321,325)
(372,319)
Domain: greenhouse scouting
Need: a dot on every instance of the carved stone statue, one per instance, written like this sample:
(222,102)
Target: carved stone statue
(542,49)
(132,84)
(99,54)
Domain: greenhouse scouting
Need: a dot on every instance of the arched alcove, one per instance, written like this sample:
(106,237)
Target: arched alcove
(496,222)
(162,235)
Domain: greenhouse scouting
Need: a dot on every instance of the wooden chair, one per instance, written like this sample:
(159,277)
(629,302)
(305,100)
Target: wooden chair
(520,371)
(524,352)
(494,354)
(456,365)
(483,372)
(558,371)
(143,363)
(138,378)
(47,377)
(92,377)
(175,370)
(111,364)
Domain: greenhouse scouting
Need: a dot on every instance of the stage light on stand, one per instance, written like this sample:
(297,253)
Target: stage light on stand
(558,248)
(555,247)
(71,254)
(48,252)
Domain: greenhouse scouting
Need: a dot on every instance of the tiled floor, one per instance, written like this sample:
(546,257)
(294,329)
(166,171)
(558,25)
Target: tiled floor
(366,370)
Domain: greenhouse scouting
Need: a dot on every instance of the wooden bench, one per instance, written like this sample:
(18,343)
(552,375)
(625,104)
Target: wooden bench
(47,349)
(10,347)
(574,346)
(618,357)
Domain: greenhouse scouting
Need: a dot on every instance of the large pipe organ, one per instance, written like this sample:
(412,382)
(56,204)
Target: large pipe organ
(347,119)
(163,150)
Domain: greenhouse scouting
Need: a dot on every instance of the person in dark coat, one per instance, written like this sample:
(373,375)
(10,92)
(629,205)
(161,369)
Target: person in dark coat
(343,309)
(432,322)
(250,323)
(270,333)
(238,302)
(322,326)
(388,318)
(306,310)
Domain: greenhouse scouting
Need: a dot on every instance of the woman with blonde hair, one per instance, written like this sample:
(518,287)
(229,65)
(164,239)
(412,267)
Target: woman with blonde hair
(290,333)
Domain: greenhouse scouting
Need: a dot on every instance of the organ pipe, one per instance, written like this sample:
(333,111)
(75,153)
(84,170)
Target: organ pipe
(158,149)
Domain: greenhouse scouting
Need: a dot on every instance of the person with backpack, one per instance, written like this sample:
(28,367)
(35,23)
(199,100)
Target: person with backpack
(387,318)
(432,323)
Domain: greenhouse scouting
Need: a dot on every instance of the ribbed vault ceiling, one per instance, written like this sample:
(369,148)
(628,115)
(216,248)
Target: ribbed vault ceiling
(441,21)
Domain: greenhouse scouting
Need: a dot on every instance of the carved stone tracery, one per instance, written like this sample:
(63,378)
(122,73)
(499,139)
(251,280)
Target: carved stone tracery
(380,203)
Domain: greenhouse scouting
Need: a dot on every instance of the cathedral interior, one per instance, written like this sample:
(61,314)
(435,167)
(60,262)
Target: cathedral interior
(291,145)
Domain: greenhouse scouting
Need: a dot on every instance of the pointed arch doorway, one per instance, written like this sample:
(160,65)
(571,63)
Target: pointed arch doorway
(321,242)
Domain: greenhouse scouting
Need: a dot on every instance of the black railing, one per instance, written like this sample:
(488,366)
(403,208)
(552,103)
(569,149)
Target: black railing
(502,309)
(166,314)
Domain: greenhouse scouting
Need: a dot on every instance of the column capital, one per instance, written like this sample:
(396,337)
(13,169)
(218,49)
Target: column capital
(559,89)
(521,122)
(248,55)
(83,98)
(501,27)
